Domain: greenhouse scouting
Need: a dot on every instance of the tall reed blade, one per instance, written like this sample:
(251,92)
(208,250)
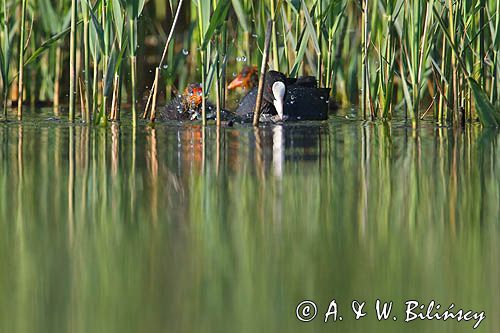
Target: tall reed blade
(156,82)
(5,54)
(364,59)
(72,62)
(134,10)
(86,61)
(265,55)
(21,60)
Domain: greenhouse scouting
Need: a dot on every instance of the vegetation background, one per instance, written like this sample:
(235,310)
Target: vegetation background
(391,57)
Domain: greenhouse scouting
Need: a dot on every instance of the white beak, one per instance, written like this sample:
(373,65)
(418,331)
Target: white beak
(279,97)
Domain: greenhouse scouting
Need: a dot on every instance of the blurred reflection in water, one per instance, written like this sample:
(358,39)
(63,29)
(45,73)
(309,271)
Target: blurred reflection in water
(278,151)
(150,229)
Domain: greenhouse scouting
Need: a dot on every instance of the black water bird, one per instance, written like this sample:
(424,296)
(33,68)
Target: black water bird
(286,98)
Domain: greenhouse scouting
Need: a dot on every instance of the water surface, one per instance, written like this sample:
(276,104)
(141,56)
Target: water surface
(150,230)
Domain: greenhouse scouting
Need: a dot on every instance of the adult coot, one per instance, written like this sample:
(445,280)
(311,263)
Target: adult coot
(284,98)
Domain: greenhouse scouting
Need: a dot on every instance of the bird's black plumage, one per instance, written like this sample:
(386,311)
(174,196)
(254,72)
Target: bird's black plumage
(303,99)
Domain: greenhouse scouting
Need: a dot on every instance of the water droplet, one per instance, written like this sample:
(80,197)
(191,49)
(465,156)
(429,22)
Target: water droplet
(238,59)
(165,66)
(185,52)
(255,35)
(243,58)
(234,74)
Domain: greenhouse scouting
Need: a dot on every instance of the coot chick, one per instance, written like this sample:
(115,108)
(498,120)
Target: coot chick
(247,79)
(188,107)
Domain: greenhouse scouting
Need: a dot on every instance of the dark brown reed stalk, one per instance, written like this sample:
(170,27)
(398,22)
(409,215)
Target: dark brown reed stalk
(154,86)
(224,73)
(115,101)
(21,60)
(72,62)
(57,79)
(155,93)
(265,56)
(82,100)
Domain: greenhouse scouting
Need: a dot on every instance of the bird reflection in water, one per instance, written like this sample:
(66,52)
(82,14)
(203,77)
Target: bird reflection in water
(279,144)
(278,151)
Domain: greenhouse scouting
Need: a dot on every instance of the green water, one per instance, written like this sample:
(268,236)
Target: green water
(149,230)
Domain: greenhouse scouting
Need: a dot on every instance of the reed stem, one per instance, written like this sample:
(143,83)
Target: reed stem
(260,91)
(204,88)
(223,88)
(319,56)
(86,63)
(453,64)
(482,73)
(364,58)
(276,63)
(217,85)
(133,78)
(154,86)
(5,69)
(72,63)
(5,96)
(133,68)
(95,81)
(21,60)
(203,66)
(57,79)
(155,93)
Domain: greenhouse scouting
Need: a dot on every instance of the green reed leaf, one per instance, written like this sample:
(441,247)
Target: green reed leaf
(216,21)
(241,15)
(310,27)
(47,44)
(488,116)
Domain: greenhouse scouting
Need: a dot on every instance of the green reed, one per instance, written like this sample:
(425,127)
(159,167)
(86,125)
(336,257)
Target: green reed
(22,24)
(5,54)
(411,59)
(134,10)
(86,61)
(72,62)
(203,18)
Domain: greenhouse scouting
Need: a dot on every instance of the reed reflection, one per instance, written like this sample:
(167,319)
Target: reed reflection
(269,200)
(152,164)
(20,176)
(71,180)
